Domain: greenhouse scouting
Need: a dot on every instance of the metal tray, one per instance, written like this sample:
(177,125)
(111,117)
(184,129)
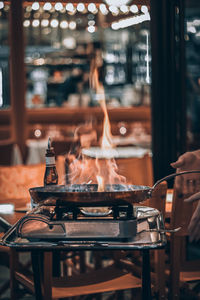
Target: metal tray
(150,235)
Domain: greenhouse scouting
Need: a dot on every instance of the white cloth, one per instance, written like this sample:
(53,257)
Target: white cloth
(36,151)
(16,156)
(119,152)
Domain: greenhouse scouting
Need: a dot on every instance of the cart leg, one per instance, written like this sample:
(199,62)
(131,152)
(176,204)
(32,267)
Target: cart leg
(146,276)
(36,266)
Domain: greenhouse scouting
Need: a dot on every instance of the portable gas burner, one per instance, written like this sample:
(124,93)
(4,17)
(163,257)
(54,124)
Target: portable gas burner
(71,222)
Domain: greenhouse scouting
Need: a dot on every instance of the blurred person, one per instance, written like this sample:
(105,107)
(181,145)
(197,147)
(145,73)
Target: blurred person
(77,83)
(187,162)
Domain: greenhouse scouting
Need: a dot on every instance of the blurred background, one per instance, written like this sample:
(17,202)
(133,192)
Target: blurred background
(147,57)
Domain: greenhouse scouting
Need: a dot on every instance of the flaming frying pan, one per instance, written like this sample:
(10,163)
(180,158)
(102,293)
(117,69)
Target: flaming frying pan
(88,195)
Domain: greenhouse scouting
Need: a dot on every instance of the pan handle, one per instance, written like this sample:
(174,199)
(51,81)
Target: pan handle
(170,177)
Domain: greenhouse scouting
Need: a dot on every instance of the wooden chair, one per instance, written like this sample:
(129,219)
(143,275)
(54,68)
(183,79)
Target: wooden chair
(4,259)
(120,275)
(182,268)
(137,170)
(15,182)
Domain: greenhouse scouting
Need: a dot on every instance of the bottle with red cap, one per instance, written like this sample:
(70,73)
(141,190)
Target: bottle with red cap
(51,175)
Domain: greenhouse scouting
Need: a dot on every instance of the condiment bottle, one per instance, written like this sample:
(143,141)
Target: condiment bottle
(51,175)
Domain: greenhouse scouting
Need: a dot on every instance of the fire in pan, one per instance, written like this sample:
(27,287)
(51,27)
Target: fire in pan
(88,194)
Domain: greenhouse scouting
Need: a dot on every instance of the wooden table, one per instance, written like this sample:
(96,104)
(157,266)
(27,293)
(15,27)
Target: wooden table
(20,207)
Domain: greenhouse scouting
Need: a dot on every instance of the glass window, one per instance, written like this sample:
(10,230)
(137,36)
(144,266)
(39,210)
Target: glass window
(192,25)
(4,57)
(62,40)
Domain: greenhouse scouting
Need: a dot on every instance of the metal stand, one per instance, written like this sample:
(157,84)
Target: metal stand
(38,271)
(146,275)
(36,265)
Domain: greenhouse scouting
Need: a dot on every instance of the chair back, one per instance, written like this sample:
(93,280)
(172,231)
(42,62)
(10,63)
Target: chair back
(137,170)
(158,198)
(184,261)
(181,211)
(15,181)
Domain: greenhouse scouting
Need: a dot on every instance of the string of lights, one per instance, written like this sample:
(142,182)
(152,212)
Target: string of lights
(134,14)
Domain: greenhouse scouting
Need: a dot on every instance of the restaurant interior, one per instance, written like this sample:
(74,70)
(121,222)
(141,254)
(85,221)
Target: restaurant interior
(97,99)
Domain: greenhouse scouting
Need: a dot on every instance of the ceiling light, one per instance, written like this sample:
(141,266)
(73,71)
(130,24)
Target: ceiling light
(44,23)
(130,21)
(92,8)
(35,23)
(113,9)
(117,3)
(72,25)
(91,29)
(54,23)
(124,8)
(58,6)
(70,7)
(28,8)
(64,24)
(134,9)
(91,23)
(69,43)
(35,6)
(47,6)
(103,9)
(26,23)
(144,9)
(80,7)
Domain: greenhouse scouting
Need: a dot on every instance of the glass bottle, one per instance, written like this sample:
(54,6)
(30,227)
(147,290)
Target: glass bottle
(51,175)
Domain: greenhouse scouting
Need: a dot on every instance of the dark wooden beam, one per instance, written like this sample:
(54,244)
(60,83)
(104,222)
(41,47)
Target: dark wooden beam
(168,88)
(17,74)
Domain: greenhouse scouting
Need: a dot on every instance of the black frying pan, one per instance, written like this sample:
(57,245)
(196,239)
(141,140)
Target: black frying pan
(88,195)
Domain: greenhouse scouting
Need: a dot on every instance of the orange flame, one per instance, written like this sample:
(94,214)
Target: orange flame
(84,170)
(110,167)
(100,182)
(106,142)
